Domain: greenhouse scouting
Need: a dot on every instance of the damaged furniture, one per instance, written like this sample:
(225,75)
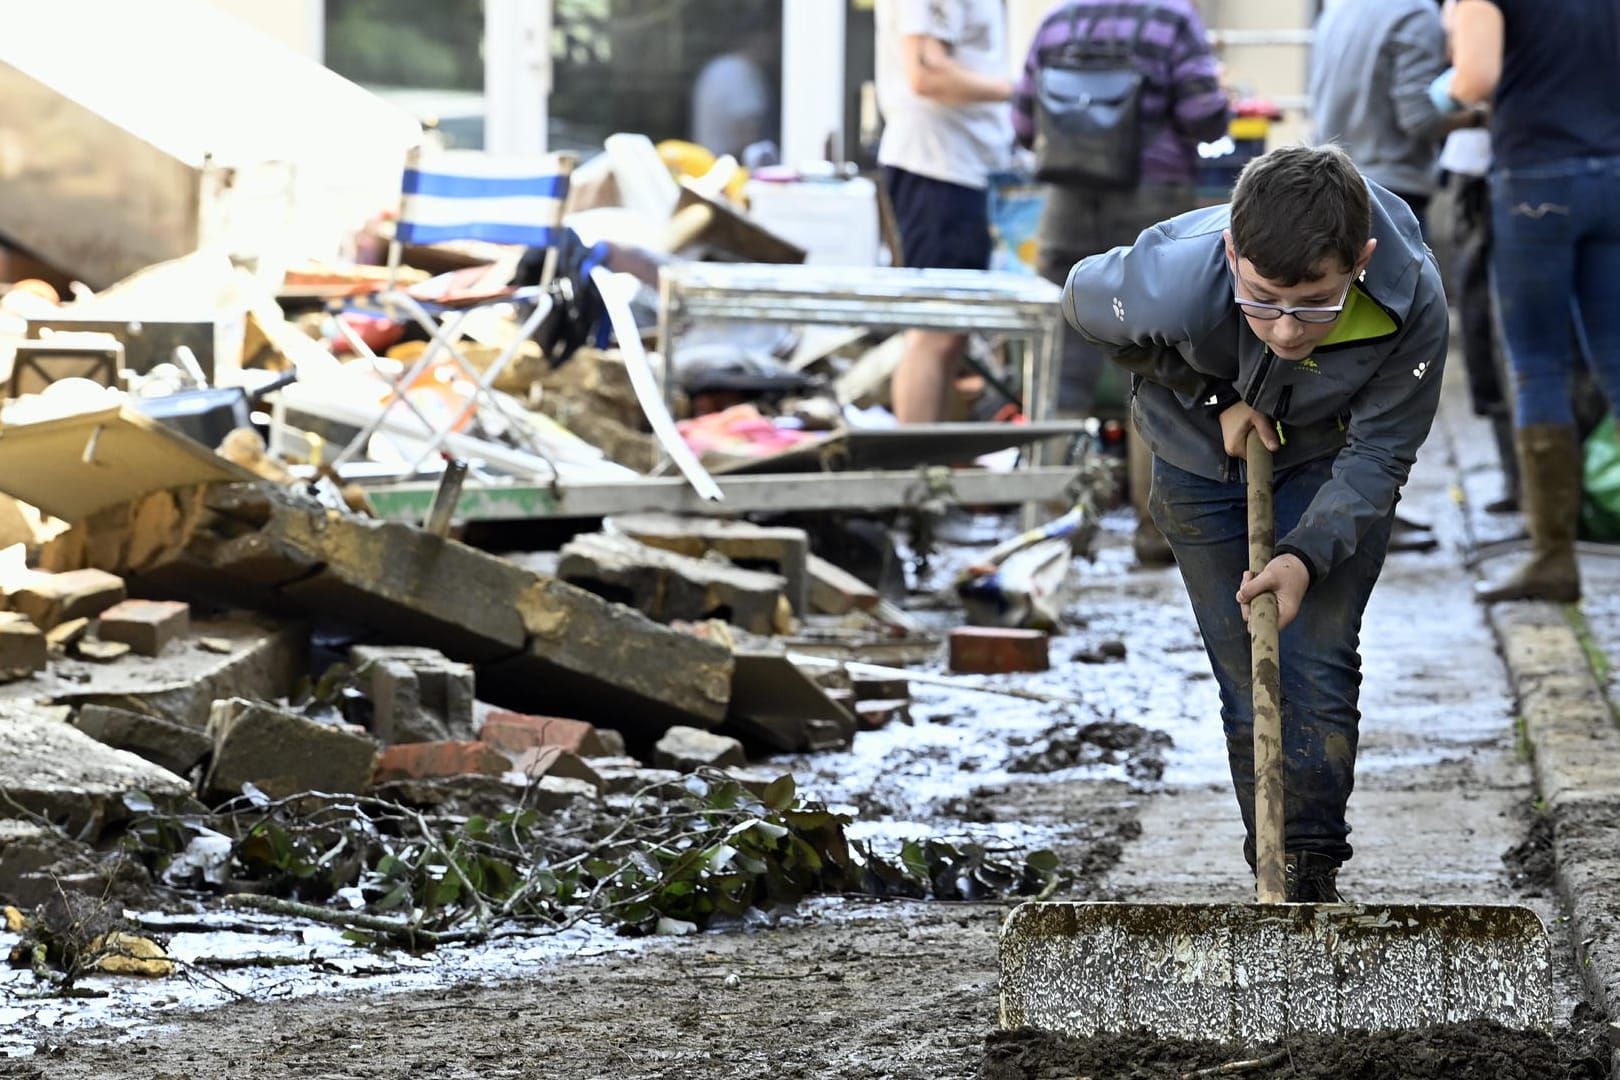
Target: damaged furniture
(451,196)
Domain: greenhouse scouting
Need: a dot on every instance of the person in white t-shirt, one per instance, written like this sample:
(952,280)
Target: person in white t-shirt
(942,84)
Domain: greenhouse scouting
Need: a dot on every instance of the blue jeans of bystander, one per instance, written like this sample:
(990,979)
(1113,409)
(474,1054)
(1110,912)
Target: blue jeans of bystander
(1206,522)
(1557,257)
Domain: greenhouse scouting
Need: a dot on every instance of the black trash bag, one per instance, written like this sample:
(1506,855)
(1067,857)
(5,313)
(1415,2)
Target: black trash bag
(576,306)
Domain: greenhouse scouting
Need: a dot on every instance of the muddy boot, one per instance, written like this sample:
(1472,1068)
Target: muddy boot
(1549,467)
(1310,878)
(1502,428)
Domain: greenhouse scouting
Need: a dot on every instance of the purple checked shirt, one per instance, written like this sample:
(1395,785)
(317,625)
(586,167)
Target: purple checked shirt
(1182,103)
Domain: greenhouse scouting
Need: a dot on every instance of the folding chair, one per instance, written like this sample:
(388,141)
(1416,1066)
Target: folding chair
(462,195)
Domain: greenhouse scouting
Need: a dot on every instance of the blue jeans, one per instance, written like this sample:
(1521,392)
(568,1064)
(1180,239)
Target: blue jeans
(1206,523)
(1556,261)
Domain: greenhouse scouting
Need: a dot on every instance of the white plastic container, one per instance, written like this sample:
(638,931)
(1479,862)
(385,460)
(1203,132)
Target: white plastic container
(835,221)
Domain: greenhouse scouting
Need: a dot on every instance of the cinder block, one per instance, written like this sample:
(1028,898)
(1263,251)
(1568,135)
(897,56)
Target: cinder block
(992,650)
(283,753)
(145,625)
(417,694)
(52,599)
(777,550)
(516,732)
(426,760)
(23,648)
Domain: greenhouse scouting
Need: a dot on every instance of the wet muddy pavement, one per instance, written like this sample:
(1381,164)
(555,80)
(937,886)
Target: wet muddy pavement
(1445,811)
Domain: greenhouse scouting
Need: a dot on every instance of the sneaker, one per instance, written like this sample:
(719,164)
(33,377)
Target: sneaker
(1310,878)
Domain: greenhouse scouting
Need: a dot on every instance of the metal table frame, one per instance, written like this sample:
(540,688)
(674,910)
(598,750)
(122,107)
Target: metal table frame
(1025,308)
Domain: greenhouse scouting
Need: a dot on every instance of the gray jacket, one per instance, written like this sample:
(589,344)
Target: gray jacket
(1163,309)
(1371,65)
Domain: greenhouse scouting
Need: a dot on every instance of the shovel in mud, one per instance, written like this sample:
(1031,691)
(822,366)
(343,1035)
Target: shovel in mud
(1249,973)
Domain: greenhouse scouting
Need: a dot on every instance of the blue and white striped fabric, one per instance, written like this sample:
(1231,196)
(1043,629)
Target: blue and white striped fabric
(468,195)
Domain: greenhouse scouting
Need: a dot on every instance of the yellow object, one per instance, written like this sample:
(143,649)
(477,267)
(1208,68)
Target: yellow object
(16,921)
(1249,127)
(686,158)
(131,954)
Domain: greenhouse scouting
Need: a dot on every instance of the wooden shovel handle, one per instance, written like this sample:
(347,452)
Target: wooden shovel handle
(1266,677)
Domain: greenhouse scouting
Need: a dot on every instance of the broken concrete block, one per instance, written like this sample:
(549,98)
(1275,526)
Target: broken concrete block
(282,753)
(588,657)
(517,732)
(263,663)
(668,586)
(552,793)
(775,703)
(538,761)
(53,769)
(781,551)
(877,712)
(467,795)
(29,853)
(417,695)
(626,776)
(540,645)
(23,648)
(880,688)
(687,748)
(992,650)
(176,747)
(52,599)
(145,625)
(835,591)
(102,652)
(430,760)
(67,633)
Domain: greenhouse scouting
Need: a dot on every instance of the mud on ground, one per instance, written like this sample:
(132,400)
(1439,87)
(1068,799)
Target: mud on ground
(853,988)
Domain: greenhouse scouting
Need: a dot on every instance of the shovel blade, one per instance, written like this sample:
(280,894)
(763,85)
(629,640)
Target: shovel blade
(1257,973)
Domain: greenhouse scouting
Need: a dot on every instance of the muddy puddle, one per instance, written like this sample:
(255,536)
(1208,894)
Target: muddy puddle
(1474,1051)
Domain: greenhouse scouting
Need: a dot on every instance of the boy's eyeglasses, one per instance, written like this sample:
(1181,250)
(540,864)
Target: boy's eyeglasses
(1270,312)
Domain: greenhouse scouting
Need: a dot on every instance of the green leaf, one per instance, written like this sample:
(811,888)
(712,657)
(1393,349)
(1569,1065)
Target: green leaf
(719,858)
(780,793)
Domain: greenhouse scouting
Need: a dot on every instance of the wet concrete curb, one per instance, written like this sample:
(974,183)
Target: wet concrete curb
(1575,746)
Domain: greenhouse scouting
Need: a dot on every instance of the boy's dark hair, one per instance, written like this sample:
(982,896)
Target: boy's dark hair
(1296,206)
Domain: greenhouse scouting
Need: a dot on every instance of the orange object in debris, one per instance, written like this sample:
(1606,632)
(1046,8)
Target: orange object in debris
(441,392)
(42,289)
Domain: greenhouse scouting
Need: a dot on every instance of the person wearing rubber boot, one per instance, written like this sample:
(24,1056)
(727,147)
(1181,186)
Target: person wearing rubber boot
(1310,311)
(1553,84)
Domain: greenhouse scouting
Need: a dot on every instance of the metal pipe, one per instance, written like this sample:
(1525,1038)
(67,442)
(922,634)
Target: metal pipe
(446,498)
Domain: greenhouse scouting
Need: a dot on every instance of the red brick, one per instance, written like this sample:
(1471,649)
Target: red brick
(429,760)
(517,732)
(145,625)
(992,650)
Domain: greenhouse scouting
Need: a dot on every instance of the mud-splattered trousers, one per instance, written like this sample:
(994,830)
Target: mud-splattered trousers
(1206,522)
(1557,256)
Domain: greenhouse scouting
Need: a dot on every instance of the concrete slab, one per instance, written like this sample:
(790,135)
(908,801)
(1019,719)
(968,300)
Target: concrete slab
(52,769)
(264,661)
